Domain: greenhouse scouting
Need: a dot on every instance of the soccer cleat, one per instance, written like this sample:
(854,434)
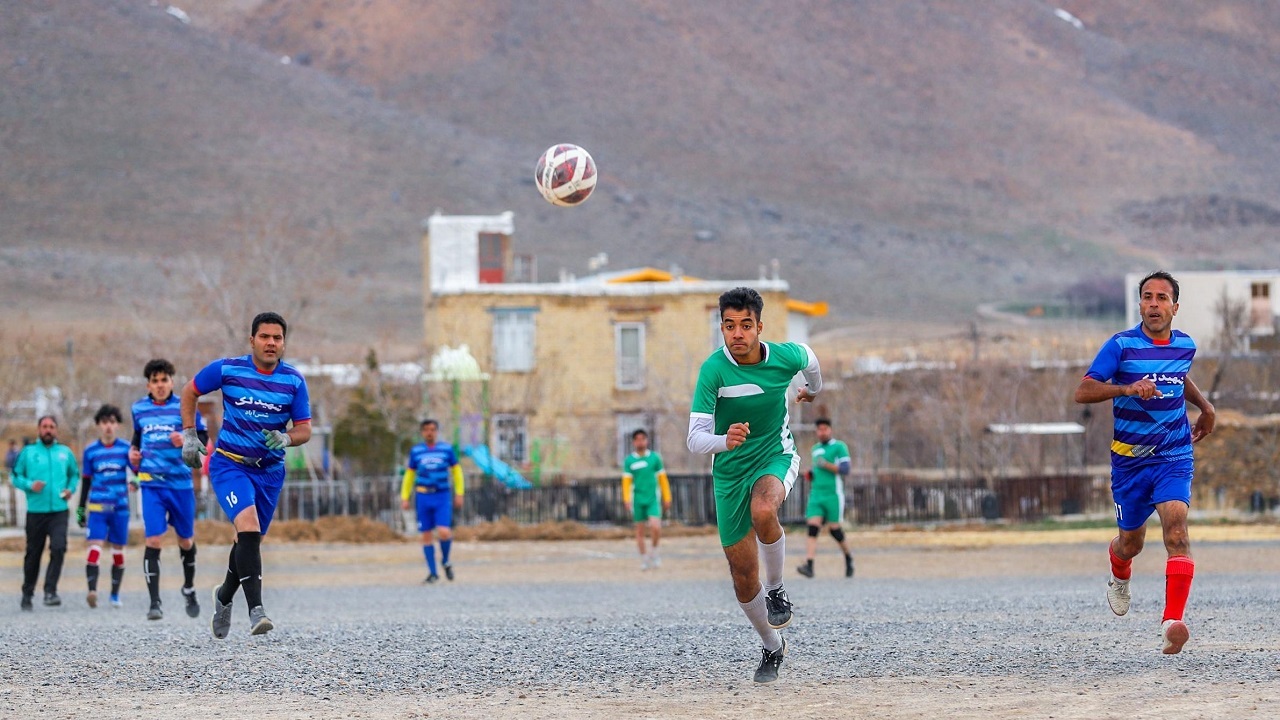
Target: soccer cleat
(644,563)
(51,599)
(92,599)
(848,566)
(448,571)
(220,623)
(805,570)
(655,562)
(193,606)
(115,602)
(779,607)
(1175,634)
(155,613)
(259,623)
(26,603)
(431,579)
(1118,595)
(769,664)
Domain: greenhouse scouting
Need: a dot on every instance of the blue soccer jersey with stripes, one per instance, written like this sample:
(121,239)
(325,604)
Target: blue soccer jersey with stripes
(104,466)
(1154,430)
(431,464)
(153,427)
(254,401)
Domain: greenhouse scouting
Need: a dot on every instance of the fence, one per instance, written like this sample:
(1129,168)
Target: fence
(869,501)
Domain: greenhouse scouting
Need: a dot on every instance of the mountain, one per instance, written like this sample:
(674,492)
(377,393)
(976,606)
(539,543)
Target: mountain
(905,161)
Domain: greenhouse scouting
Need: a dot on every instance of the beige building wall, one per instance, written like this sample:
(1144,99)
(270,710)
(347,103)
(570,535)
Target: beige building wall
(570,397)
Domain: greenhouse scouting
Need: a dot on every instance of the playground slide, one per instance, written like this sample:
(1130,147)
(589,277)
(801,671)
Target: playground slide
(495,468)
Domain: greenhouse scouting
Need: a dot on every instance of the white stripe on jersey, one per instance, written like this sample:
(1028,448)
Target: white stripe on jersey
(737,391)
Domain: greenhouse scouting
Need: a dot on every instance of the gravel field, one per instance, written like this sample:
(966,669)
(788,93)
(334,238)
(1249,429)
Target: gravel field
(958,626)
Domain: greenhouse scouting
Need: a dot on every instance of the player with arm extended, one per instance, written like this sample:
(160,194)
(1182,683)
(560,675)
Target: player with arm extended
(104,492)
(434,476)
(261,396)
(168,494)
(826,496)
(1144,373)
(740,414)
(646,494)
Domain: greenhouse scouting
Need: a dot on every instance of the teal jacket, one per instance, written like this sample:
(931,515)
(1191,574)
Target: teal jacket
(54,464)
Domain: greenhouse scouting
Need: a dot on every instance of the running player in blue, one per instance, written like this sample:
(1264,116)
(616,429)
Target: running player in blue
(435,477)
(1143,371)
(261,396)
(168,495)
(105,490)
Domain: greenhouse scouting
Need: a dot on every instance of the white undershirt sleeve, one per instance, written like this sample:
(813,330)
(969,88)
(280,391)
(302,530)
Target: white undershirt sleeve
(702,438)
(812,373)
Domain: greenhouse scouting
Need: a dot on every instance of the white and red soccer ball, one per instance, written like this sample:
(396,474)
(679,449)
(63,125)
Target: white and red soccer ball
(565,175)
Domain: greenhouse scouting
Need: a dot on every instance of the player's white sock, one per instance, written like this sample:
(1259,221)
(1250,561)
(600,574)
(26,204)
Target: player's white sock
(758,613)
(774,555)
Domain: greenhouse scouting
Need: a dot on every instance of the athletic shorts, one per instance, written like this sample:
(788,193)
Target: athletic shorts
(643,508)
(164,506)
(110,523)
(828,506)
(434,510)
(1137,490)
(237,487)
(733,497)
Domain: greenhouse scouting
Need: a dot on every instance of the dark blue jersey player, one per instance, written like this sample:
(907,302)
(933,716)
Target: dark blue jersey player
(104,492)
(168,496)
(434,477)
(265,410)
(1143,371)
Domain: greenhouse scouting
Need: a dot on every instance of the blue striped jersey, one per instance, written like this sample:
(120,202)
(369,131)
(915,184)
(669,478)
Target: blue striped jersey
(104,467)
(153,427)
(1154,430)
(432,464)
(253,401)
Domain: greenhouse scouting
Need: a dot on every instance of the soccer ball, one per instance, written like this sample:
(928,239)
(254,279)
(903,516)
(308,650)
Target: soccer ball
(565,175)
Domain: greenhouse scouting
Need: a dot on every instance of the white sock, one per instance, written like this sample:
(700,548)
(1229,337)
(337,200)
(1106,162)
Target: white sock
(758,613)
(774,555)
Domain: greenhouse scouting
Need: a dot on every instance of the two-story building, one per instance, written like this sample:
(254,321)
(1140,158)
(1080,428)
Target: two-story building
(582,362)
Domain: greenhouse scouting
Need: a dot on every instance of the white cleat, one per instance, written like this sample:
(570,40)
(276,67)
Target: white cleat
(655,562)
(1118,595)
(1175,634)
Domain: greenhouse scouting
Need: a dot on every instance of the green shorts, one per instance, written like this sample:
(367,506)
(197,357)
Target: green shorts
(827,506)
(733,497)
(643,509)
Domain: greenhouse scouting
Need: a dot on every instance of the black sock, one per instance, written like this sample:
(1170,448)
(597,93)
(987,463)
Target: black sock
(231,583)
(117,574)
(809,563)
(91,572)
(249,565)
(188,566)
(151,571)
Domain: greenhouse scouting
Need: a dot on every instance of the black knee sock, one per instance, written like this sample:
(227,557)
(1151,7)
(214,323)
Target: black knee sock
(249,565)
(151,571)
(117,574)
(188,566)
(231,583)
(91,573)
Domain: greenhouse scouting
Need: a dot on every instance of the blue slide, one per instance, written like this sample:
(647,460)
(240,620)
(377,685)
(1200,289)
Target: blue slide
(495,468)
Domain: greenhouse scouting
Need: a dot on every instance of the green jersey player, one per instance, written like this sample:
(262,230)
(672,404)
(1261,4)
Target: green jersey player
(740,414)
(826,496)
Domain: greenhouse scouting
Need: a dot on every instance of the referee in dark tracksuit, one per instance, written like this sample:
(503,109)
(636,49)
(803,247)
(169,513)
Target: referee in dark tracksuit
(46,471)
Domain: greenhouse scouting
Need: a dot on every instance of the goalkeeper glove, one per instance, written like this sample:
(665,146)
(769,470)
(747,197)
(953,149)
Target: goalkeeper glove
(80,516)
(275,439)
(192,448)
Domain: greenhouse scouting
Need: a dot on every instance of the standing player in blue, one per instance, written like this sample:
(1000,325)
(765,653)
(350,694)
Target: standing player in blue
(1144,372)
(435,477)
(105,487)
(168,495)
(261,396)
(740,413)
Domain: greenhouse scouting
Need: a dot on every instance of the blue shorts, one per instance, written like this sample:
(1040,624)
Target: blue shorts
(435,510)
(1137,490)
(237,487)
(111,525)
(164,506)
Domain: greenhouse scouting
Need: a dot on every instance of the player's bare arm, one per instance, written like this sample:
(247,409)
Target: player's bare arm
(1095,391)
(1208,415)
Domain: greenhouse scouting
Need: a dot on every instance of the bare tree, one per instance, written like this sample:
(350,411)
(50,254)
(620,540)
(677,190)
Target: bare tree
(1233,328)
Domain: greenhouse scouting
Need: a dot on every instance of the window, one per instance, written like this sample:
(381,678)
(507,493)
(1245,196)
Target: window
(492,254)
(513,339)
(511,438)
(629,355)
(1260,290)
(717,337)
(628,423)
(1261,321)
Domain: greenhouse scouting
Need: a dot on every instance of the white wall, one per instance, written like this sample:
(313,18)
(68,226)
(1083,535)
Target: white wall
(454,246)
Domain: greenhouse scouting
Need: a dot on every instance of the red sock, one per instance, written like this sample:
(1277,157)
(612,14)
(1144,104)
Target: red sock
(95,552)
(1177,585)
(1121,569)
